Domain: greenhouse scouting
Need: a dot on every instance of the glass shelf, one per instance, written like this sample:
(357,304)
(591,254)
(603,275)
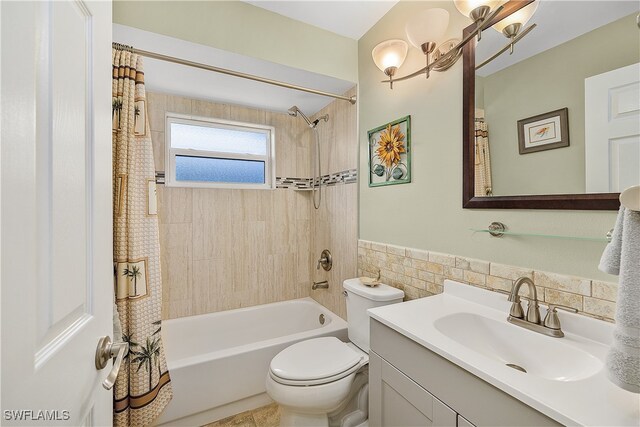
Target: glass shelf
(549,236)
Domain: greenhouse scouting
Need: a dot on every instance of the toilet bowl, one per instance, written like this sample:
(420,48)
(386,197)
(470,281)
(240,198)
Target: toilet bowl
(324,381)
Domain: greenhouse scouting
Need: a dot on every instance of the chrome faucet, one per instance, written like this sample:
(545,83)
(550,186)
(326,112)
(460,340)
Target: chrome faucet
(549,326)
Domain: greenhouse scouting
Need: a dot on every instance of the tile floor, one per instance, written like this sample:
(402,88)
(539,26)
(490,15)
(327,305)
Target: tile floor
(266,416)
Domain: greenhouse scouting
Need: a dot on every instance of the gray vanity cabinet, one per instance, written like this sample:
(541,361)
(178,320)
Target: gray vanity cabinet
(409,385)
(398,401)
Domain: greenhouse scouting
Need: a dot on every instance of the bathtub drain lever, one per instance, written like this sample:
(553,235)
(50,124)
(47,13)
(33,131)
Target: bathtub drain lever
(320,285)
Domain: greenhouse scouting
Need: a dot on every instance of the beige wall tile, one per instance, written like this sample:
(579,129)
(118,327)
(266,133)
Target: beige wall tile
(176,206)
(599,307)
(443,259)
(396,250)
(553,296)
(157,140)
(475,265)
(418,254)
(378,247)
(208,235)
(435,267)
(576,285)
(209,109)
(474,278)
(592,298)
(453,273)
(156,108)
(604,290)
(509,272)
(178,104)
(499,283)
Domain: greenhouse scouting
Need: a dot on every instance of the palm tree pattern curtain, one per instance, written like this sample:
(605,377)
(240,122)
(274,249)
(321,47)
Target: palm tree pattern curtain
(143,386)
(482,160)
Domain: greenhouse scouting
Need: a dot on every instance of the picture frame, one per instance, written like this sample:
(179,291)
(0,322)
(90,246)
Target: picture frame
(543,132)
(390,153)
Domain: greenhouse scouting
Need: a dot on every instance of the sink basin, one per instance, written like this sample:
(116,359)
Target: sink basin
(518,348)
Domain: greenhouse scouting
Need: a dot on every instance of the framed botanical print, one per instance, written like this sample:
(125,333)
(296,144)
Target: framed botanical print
(544,131)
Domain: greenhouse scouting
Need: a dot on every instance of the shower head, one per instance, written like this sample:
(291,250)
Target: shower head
(295,111)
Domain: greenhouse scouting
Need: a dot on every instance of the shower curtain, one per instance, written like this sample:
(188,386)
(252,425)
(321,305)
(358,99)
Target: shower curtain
(482,160)
(143,386)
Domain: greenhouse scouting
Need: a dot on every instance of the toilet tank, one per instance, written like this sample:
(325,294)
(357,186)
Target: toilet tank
(359,299)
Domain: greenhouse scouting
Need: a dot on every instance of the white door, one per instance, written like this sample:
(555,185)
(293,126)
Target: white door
(612,130)
(55,209)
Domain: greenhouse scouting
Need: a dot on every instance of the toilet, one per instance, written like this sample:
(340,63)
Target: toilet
(323,381)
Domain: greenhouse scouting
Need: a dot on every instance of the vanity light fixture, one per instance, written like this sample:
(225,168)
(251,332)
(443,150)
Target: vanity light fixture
(512,24)
(389,56)
(423,31)
(477,10)
(424,28)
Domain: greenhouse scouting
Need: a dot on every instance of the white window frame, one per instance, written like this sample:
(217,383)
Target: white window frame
(171,153)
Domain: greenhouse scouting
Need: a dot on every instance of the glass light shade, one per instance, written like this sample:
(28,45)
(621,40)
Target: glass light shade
(427,26)
(390,53)
(466,6)
(522,16)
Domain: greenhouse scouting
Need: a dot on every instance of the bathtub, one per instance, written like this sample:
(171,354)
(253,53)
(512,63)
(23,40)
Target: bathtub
(219,362)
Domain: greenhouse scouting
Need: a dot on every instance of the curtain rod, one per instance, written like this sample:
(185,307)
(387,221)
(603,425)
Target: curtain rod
(175,60)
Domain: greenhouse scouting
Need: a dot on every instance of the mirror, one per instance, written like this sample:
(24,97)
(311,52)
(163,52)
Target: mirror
(556,123)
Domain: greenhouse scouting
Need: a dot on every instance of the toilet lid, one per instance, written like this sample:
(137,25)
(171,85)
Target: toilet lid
(314,359)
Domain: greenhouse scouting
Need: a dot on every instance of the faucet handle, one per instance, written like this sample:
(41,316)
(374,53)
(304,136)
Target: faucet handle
(553,307)
(551,320)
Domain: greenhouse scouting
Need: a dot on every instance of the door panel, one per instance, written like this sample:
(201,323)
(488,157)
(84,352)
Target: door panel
(56,250)
(612,130)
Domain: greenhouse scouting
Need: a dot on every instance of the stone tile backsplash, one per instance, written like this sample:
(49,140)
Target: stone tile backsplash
(422,273)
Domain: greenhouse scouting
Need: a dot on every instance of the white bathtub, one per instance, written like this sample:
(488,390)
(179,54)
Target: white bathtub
(219,362)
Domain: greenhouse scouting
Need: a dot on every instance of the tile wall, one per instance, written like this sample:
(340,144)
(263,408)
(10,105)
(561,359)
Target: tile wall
(421,273)
(335,224)
(223,249)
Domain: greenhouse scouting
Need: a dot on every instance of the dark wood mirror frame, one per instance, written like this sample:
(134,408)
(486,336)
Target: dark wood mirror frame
(599,201)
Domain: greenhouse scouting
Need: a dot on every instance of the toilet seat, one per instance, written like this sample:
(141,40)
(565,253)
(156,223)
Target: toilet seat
(315,361)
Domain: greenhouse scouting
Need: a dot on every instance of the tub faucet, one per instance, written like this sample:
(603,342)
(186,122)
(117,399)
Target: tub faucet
(320,285)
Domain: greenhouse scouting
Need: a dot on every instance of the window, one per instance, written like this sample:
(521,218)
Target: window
(205,152)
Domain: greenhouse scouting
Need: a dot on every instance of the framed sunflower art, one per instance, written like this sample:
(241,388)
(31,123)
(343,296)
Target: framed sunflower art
(390,153)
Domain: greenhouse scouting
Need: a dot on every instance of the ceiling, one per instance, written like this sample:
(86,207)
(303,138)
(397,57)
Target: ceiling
(347,18)
(558,22)
(195,83)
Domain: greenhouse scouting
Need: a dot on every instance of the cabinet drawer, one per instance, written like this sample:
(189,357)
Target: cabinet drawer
(476,400)
(396,400)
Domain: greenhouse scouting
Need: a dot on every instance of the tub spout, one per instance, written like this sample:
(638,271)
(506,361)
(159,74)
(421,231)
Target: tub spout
(320,285)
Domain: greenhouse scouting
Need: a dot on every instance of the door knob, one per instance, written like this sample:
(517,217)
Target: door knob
(107,350)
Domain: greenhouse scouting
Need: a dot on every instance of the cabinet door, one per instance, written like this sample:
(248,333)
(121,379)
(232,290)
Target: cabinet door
(463,422)
(396,401)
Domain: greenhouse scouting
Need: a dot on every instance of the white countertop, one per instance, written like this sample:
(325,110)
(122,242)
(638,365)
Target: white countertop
(591,401)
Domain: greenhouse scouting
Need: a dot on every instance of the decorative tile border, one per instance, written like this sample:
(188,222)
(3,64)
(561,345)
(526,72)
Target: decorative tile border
(343,177)
(422,273)
(298,183)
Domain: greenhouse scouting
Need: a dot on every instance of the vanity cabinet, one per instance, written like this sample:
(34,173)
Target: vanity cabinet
(396,400)
(410,385)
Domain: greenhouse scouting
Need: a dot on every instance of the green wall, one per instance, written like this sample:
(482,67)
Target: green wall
(427,213)
(245,29)
(545,82)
